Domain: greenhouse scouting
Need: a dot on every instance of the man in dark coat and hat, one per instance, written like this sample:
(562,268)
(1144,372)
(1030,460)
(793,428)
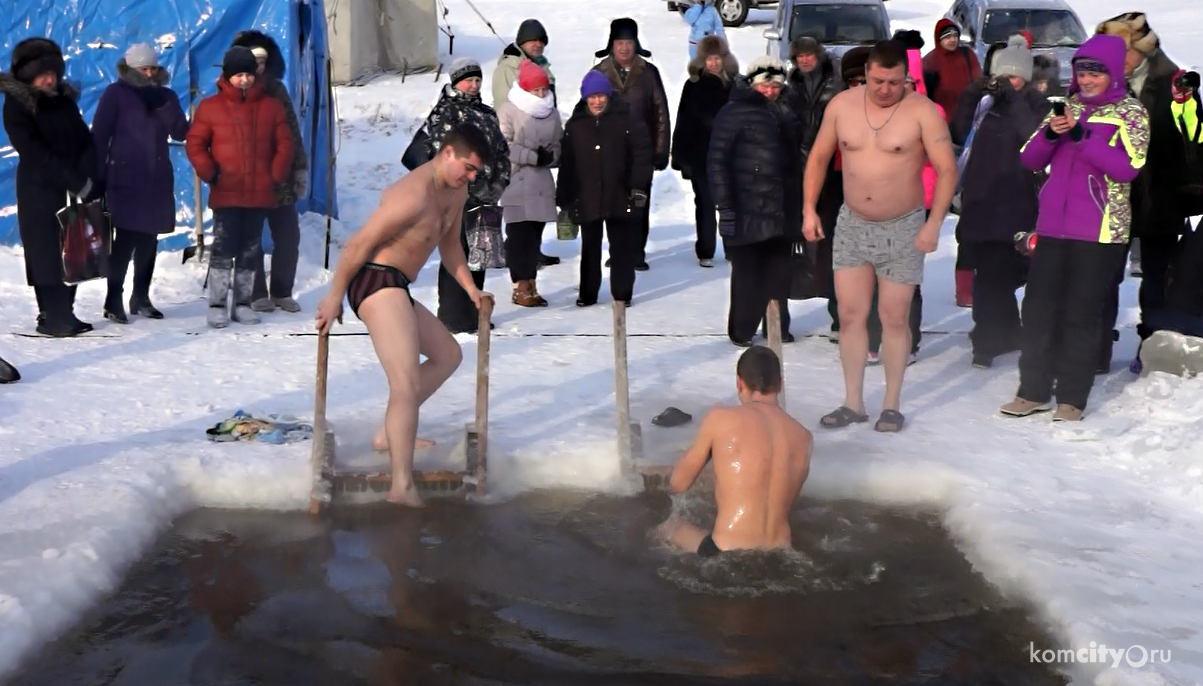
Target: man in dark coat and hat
(57,158)
(282,221)
(637,82)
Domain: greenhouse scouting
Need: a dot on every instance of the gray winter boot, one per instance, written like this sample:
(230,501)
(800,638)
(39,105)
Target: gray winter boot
(244,281)
(287,304)
(263,305)
(219,292)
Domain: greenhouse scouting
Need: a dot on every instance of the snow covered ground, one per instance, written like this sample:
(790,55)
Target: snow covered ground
(1098,524)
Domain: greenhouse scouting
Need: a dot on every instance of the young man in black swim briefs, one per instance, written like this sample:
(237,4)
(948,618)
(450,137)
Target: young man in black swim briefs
(416,214)
(761,459)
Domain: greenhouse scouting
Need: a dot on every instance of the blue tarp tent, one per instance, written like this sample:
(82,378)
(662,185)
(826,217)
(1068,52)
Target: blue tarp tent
(191,36)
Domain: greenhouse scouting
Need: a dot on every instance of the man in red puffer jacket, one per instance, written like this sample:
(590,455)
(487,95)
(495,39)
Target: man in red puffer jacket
(241,146)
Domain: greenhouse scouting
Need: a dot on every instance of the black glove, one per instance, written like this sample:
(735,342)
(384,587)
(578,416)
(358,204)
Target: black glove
(216,175)
(543,157)
(153,97)
(726,222)
(639,199)
(1076,132)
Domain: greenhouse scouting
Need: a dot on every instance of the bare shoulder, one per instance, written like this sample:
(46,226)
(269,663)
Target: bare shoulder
(842,99)
(923,109)
(406,199)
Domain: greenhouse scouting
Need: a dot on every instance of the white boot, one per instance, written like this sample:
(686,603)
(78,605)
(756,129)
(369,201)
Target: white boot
(245,315)
(218,318)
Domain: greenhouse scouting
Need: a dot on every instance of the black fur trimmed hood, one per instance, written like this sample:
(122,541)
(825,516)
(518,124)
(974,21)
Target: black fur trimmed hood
(275,67)
(28,96)
(34,56)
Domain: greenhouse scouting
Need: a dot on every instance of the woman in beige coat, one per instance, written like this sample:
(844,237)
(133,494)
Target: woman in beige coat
(532,127)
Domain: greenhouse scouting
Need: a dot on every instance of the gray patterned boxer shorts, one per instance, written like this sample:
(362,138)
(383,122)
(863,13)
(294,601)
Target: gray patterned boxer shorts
(889,245)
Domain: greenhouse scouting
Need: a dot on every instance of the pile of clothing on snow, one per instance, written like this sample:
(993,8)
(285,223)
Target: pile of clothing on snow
(273,428)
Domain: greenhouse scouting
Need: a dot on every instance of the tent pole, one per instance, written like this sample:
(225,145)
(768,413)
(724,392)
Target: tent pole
(329,154)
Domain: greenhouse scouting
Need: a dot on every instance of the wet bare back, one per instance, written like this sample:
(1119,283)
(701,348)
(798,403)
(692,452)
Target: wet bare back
(883,174)
(761,458)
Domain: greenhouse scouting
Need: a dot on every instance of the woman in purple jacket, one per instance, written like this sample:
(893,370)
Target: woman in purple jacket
(1095,146)
(133,120)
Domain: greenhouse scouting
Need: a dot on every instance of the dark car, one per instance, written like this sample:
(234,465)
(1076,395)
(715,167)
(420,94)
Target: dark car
(839,25)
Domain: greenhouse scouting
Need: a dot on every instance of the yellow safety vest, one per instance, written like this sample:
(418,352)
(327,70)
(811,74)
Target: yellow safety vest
(1186,116)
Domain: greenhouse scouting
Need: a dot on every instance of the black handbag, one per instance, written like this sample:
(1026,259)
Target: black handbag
(417,154)
(810,274)
(86,237)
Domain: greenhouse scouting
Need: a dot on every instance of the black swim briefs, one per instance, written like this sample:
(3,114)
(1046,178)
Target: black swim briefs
(372,277)
(707,548)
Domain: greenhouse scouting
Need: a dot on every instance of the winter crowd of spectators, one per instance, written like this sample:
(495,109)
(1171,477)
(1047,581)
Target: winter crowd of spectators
(1085,167)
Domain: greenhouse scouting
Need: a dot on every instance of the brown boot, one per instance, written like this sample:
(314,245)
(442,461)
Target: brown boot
(525,294)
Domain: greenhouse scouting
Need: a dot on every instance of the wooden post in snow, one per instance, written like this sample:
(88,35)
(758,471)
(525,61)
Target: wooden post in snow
(319,458)
(198,207)
(773,317)
(622,388)
(482,391)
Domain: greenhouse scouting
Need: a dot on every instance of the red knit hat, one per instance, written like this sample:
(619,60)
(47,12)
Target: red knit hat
(532,76)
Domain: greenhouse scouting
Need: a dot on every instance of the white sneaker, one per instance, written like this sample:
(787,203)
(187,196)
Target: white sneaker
(245,315)
(873,358)
(706,263)
(218,318)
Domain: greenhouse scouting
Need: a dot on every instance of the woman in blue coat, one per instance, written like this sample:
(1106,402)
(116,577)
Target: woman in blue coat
(134,118)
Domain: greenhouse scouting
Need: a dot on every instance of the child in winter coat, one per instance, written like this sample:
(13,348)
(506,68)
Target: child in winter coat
(703,21)
(241,146)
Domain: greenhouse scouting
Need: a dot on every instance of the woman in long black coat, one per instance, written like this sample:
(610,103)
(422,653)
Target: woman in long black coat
(57,157)
(711,74)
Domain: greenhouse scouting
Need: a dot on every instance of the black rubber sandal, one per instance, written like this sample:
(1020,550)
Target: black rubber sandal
(891,421)
(842,417)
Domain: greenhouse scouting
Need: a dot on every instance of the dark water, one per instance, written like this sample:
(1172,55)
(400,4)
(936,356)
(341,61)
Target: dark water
(552,588)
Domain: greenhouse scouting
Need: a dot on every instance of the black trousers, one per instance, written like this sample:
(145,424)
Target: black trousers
(1063,314)
(705,217)
(456,310)
(999,271)
(625,252)
(237,247)
(142,248)
(1157,255)
(523,243)
(641,219)
(285,228)
(759,272)
(56,305)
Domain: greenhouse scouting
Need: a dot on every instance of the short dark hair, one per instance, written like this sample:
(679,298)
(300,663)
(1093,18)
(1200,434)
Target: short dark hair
(888,54)
(466,139)
(760,370)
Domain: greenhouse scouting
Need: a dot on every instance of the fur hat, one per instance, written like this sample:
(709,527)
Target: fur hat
(274,67)
(464,68)
(1013,60)
(1046,68)
(708,46)
(1134,29)
(35,56)
(852,64)
(766,68)
(912,39)
(804,45)
(623,28)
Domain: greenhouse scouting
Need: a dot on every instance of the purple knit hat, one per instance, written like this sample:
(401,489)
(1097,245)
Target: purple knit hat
(595,83)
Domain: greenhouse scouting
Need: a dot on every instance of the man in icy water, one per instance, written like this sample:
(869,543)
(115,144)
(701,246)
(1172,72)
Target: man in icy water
(421,211)
(761,459)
